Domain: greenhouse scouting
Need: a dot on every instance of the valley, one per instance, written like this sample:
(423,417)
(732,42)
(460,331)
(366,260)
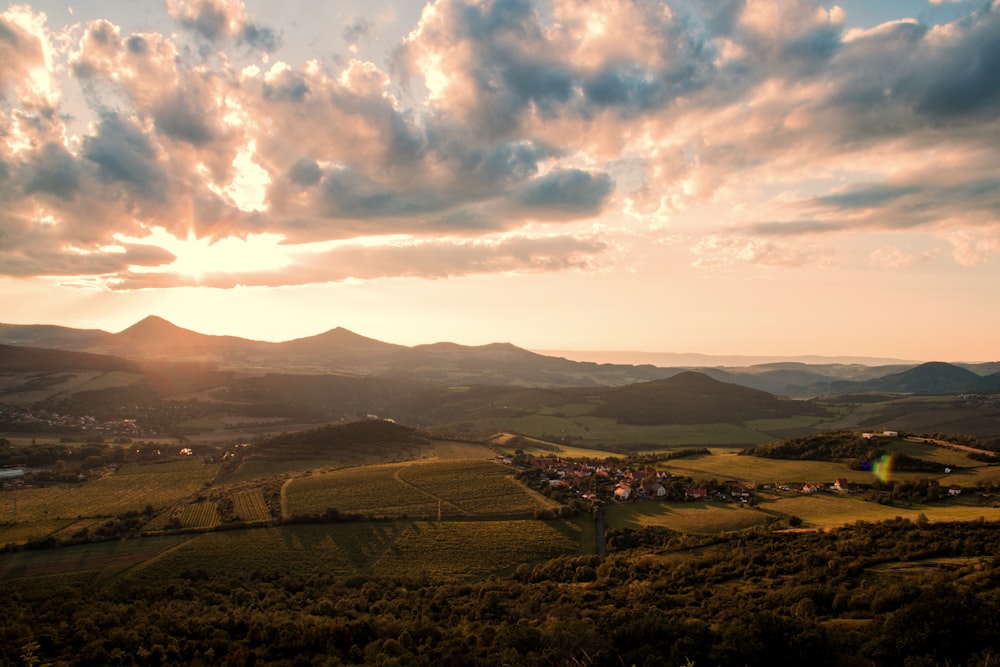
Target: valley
(353,493)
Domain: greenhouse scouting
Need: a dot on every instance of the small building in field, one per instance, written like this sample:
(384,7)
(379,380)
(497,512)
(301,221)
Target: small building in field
(842,484)
(696,494)
(954,490)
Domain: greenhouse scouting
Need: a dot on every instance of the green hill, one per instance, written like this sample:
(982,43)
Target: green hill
(359,437)
(695,398)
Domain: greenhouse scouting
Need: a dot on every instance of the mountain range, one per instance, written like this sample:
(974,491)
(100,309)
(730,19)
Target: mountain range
(344,352)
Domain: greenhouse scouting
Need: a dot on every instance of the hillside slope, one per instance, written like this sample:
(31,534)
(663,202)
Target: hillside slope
(695,398)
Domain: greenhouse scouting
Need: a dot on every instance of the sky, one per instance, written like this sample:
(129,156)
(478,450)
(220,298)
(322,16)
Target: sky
(756,177)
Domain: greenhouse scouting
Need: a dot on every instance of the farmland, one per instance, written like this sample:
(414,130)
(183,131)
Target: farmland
(695,517)
(249,505)
(455,487)
(130,489)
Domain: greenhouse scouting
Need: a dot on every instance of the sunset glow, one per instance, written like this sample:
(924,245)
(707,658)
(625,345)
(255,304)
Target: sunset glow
(788,178)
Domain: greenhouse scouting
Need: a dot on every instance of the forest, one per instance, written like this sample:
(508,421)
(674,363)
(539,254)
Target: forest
(894,593)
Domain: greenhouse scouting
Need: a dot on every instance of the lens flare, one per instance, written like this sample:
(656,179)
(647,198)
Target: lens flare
(882,467)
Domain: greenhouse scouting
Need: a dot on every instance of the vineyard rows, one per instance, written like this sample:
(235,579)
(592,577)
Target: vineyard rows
(130,489)
(201,515)
(416,490)
(467,549)
(249,505)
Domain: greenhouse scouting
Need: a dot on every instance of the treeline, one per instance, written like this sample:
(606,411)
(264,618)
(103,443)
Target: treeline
(750,599)
(833,446)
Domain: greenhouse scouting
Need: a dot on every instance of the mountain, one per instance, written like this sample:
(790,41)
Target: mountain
(336,351)
(51,336)
(19,359)
(695,398)
(345,352)
(934,377)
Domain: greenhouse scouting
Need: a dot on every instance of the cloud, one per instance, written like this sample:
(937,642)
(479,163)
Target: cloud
(891,258)
(430,259)
(221,19)
(718,250)
(765,134)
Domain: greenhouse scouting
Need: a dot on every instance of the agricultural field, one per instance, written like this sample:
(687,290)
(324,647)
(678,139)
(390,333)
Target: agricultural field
(464,549)
(723,464)
(306,549)
(475,549)
(696,517)
(43,510)
(253,469)
(107,558)
(249,505)
(413,489)
(597,432)
(477,487)
(20,532)
(834,509)
(200,515)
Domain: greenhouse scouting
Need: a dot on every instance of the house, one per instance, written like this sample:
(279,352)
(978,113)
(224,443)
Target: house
(842,484)
(891,434)
(623,492)
(696,494)
(654,489)
(954,490)
(740,492)
(811,488)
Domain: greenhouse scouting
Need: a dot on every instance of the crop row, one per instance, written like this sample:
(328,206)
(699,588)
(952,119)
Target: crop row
(130,489)
(417,489)
(473,549)
(201,515)
(249,505)
(466,549)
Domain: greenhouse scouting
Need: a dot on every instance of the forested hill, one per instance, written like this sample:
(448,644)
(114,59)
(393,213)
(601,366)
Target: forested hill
(835,446)
(694,398)
(356,438)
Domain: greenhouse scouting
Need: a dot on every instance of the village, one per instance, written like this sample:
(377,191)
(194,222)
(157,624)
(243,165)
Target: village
(602,483)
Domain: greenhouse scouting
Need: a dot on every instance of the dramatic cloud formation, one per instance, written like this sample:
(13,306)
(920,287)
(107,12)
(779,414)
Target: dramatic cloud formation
(506,136)
(494,116)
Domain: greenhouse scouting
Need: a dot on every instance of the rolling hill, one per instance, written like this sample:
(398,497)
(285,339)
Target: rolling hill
(695,398)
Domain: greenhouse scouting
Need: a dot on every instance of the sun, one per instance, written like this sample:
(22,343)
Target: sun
(196,257)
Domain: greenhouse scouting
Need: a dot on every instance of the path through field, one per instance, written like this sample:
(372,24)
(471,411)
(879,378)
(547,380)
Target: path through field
(399,478)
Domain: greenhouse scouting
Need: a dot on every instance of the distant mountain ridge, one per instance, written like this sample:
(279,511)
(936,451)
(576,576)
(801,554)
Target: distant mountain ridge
(345,352)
